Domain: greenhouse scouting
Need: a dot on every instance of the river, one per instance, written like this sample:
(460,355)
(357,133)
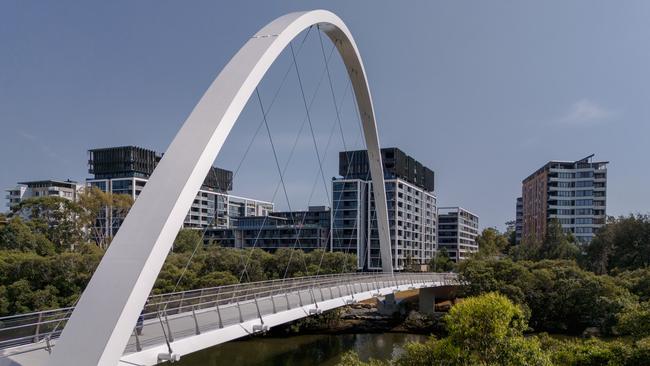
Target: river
(301,350)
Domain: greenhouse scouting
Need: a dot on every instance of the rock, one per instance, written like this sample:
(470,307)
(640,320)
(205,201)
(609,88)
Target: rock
(591,332)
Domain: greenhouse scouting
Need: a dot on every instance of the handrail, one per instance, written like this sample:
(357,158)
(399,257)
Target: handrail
(30,328)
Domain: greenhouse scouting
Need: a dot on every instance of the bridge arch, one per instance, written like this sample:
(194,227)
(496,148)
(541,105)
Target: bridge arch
(101,324)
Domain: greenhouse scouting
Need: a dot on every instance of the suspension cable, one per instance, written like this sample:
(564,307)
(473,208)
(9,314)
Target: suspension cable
(271,104)
(372,212)
(291,153)
(277,163)
(311,127)
(214,217)
(338,118)
(329,77)
(313,188)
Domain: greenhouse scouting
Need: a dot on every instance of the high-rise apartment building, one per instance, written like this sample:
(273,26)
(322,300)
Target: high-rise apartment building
(411,209)
(573,192)
(457,232)
(126,170)
(519,219)
(42,188)
(305,230)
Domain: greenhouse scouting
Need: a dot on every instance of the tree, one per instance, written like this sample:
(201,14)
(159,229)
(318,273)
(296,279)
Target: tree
(491,243)
(23,299)
(101,212)
(33,278)
(635,320)
(17,235)
(556,245)
(55,217)
(441,262)
(482,325)
(326,262)
(483,330)
(187,240)
(352,359)
(637,282)
(511,233)
(560,295)
(623,244)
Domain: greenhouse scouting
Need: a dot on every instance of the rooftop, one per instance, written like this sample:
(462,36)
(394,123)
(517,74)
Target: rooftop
(569,165)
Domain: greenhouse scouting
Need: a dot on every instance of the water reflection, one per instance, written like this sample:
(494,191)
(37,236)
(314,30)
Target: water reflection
(301,350)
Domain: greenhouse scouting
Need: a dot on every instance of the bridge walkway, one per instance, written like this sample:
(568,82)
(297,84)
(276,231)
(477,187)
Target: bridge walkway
(176,324)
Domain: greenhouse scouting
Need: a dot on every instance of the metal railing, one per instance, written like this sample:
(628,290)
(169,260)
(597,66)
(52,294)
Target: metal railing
(191,312)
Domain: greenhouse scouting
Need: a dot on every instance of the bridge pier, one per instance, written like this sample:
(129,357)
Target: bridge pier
(429,295)
(427,300)
(388,306)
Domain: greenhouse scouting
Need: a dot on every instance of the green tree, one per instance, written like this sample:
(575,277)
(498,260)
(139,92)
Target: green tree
(327,262)
(623,244)
(635,320)
(483,330)
(556,245)
(22,298)
(55,217)
(352,359)
(187,240)
(441,262)
(561,296)
(580,352)
(17,235)
(511,233)
(482,325)
(491,243)
(30,281)
(101,211)
(636,281)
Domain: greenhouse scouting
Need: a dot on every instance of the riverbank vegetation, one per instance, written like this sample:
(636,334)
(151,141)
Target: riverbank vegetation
(557,286)
(47,260)
(490,329)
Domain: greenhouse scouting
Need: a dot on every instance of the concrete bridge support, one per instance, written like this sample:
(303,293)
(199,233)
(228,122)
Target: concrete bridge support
(427,301)
(388,306)
(429,295)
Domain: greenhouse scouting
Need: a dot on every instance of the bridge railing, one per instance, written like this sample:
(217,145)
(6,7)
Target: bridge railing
(180,302)
(191,313)
(21,329)
(43,326)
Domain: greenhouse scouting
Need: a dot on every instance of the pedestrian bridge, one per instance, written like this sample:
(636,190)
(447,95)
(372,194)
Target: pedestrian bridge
(180,323)
(101,329)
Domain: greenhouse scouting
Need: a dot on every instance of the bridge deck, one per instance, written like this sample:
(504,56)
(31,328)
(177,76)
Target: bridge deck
(197,319)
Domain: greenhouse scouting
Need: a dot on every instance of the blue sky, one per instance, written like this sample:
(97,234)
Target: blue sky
(483,93)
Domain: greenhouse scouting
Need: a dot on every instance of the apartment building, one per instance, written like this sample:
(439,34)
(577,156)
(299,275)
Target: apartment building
(457,232)
(42,188)
(411,206)
(519,219)
(573,192)
(306,230)
(126,170)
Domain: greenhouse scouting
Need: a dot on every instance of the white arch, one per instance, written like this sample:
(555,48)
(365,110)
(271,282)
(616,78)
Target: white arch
(103,320)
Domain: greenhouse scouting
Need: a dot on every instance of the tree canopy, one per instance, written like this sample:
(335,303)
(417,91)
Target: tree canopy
(561,296)
(491,243)
(483,330)
(621,244)
(556,245)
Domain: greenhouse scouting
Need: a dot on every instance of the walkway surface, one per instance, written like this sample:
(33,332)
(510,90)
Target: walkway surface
(179,323)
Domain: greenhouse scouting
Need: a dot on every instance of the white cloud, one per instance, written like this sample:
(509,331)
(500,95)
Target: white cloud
(586,112)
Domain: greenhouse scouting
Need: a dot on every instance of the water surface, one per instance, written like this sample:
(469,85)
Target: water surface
(301,350)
